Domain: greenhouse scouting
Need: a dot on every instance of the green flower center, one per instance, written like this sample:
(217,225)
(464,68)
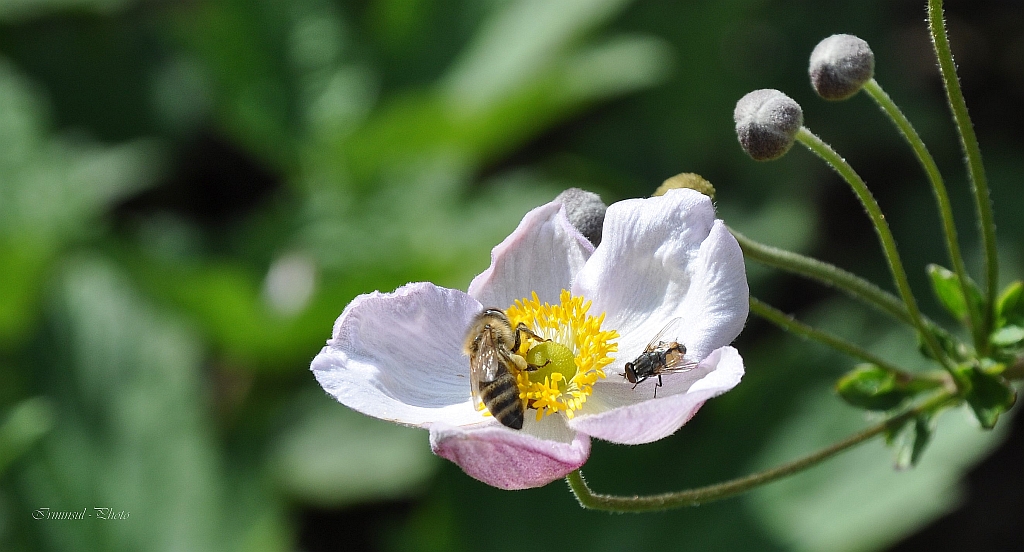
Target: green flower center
(570,356)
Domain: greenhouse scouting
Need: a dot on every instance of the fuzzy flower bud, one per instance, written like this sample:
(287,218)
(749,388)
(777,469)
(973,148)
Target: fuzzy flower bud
(766,123)
(840,65)
(585,211)
(692,181)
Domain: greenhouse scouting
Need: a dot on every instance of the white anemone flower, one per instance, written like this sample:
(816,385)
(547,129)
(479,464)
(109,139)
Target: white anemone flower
(398,356)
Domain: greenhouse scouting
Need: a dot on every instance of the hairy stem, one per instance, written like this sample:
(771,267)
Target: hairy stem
(788,323)
(892,256)
(972,156)
(825,273)
(832,276)
(701,495)
(890,108)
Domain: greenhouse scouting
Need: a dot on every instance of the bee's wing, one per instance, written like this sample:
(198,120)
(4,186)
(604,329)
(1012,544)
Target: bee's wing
(668,330)
(485,365)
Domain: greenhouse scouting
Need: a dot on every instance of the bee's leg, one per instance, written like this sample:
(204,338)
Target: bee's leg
(535,367)
(656,386)
(521,328)
(521,363)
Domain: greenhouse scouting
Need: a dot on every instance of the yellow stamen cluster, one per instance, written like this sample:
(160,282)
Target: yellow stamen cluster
(570,362)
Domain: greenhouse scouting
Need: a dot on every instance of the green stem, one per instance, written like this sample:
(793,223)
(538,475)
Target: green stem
(832,276)
(899,275)
(726,489)
(972,154)
(788,323)
(883,100)
(825,273)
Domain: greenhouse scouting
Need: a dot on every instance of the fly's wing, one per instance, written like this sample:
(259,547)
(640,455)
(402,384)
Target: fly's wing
(484,366)
(668,331)
(676,361)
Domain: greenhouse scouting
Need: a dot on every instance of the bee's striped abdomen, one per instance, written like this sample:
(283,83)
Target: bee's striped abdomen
(501,397)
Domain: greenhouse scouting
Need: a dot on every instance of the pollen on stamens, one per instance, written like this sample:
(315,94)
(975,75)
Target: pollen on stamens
(570,361)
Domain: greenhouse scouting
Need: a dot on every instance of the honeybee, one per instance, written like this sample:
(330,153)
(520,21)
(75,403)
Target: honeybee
(491,344)
(659,358)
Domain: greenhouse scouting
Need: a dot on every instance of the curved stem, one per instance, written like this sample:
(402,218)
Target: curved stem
(972,155)
(726,489)
(790,324)
(883,100)
(892,256)
(825,273)
(832,276)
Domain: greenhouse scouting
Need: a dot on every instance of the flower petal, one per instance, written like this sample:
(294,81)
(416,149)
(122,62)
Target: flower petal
(542,255)
(664,258)
(398,356)
(510,459)
(718,301)
(649,420)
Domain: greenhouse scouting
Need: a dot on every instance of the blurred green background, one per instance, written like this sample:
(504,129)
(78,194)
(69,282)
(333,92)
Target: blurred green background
(192,190)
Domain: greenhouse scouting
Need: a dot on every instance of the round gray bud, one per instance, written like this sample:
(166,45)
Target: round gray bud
(766,123)
(840,65)
(585,211)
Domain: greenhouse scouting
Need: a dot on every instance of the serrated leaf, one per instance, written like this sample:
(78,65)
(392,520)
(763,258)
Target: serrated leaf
(988,397)
(872,388)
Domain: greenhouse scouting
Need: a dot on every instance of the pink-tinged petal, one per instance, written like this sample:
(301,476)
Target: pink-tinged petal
(510,459)
(542,255)
(664,258)
(398,356)
(644,419)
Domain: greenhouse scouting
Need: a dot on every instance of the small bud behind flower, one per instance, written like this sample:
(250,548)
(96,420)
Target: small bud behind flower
(692,181)
(766,123)
(585,211)
(840,65)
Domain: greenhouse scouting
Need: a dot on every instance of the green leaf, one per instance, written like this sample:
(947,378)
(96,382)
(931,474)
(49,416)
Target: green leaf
(23,426)
(952,347)
(914,441)
(52,190)
(989,396)
(872,388)
(1007,336)
(332,456)
(133,433)
(947,289)
(924,427)
(856,501)
(1010,305)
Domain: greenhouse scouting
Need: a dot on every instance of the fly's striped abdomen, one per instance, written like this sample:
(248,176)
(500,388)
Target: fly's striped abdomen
(501,397)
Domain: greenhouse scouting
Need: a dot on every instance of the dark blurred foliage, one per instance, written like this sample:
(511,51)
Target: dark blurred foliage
(191,191)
